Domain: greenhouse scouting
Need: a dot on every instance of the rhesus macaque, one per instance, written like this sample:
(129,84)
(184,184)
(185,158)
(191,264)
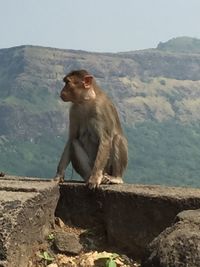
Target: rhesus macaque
(96,146)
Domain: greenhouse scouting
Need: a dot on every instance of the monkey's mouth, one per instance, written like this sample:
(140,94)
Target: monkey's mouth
(64,98)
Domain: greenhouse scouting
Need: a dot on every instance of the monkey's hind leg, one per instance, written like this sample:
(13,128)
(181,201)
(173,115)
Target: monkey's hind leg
(80,160)
(118,161)
(108,179)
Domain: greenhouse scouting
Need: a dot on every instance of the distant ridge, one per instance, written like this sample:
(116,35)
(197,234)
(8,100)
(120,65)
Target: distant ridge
(181,45)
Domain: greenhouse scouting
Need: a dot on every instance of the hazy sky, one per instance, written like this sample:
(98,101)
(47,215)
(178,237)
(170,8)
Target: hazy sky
(97,25)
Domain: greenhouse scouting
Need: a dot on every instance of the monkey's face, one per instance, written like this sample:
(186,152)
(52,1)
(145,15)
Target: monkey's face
(71,90)
(75,89)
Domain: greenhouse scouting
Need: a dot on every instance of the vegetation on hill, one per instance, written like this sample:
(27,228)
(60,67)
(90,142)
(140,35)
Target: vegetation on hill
(156,92)
(164,153)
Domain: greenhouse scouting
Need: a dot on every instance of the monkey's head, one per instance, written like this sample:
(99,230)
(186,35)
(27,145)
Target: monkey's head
(78,87)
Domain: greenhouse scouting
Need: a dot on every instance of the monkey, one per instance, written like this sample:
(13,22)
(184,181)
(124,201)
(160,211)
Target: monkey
(96,146)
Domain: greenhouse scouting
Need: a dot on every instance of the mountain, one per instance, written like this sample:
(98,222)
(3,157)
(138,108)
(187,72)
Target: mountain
(156,91)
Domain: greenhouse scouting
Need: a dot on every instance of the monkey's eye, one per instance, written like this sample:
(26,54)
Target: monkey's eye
(67,82)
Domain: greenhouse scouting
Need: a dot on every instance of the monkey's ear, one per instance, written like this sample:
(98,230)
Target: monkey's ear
(87,81)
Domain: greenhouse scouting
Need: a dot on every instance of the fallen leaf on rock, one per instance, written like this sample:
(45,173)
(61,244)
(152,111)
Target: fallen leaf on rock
(87,259)
(52,265)
(63,259)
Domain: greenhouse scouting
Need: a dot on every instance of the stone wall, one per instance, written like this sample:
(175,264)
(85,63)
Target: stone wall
(131,215)
(27,209)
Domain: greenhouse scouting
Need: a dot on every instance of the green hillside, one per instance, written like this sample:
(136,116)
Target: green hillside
(156,91)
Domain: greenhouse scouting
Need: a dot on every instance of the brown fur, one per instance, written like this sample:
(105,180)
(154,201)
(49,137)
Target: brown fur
(96,146)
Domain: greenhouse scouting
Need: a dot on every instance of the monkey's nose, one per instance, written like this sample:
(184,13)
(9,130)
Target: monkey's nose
(63,96)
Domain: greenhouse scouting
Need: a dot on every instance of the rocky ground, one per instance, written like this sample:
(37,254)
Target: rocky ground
(69,246)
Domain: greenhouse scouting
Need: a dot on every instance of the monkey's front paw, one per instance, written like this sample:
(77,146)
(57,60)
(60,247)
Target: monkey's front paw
(58,179)
(94,182)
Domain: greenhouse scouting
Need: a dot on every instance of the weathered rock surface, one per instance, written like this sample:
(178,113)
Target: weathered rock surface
(26,216)
(67,243)
(178,245)
(133,215)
